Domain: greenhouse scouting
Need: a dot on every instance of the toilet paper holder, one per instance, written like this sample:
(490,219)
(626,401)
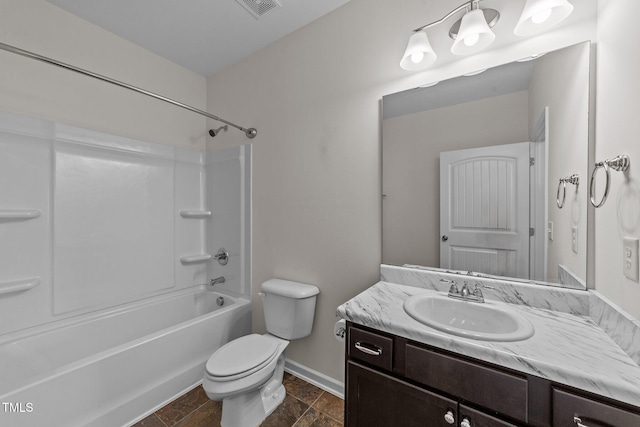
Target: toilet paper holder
(340,330)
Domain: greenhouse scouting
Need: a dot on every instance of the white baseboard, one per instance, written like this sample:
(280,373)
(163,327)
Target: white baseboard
(316,378)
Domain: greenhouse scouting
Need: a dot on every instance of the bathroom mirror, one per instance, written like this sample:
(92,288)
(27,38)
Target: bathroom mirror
(477,171)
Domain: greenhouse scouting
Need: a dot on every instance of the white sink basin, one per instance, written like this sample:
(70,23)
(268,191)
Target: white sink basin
(487,321)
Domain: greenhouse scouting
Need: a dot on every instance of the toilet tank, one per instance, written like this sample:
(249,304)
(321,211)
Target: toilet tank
(289,308)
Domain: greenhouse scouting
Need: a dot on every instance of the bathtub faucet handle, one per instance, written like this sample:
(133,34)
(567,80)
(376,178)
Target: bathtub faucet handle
(217,280)
(222,256)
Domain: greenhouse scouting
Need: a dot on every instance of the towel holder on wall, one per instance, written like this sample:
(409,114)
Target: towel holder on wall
(619,163)
(573,179)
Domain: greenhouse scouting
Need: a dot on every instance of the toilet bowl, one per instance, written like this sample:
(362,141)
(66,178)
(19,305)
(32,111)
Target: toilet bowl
(246,373)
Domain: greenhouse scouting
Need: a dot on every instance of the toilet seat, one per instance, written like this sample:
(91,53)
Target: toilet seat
(242,357)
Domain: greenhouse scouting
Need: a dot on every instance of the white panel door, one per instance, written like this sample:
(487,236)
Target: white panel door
(484,210)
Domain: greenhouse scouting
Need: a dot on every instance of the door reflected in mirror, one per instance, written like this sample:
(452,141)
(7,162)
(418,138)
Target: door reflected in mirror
(473,170)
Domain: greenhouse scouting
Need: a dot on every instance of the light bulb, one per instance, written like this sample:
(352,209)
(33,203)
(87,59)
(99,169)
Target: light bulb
(541,17)
(417,57)
(472,39)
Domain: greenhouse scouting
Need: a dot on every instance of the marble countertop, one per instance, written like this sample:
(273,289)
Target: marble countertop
(566,348)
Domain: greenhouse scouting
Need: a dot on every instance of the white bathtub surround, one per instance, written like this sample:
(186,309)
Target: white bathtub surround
(109,229)
(103,313)
(118,365)
(566,348)
(228,195)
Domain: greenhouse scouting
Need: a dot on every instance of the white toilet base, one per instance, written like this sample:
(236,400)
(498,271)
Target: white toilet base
(250,408)
(243,410)
(273,399)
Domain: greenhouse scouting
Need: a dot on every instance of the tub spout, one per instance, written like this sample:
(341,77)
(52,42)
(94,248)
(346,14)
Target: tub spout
(215,281)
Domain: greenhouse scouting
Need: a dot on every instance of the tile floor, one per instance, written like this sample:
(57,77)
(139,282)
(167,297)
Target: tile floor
(304,406)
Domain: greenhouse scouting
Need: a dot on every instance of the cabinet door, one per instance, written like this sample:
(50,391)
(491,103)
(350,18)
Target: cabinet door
(479,419)
(375,399)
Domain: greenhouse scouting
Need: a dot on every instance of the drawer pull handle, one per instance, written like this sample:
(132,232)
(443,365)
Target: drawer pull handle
(449,418)
(370,351)
(465,423)
(578,422)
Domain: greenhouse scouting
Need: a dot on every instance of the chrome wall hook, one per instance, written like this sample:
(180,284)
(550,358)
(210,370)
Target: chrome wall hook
(619,163)
(573,179)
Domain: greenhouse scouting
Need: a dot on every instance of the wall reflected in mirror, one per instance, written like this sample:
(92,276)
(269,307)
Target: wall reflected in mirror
(475,171)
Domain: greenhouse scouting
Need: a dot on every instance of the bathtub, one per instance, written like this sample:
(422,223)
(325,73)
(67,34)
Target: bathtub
(113,367)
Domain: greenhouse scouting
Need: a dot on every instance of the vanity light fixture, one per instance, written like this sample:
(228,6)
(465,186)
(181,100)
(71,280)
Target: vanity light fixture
(531,58)
(540,15)
(472,32)
(419,53)
(475,33)
(426,85)
(475,73)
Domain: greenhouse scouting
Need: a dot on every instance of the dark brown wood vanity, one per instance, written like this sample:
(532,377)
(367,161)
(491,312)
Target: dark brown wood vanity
(392,381)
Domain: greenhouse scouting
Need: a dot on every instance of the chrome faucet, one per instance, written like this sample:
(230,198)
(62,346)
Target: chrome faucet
(465,293)
(215,281)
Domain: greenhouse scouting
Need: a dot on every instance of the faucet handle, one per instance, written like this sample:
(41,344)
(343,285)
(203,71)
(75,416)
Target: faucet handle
(477,292)
(453,290)
(465,290)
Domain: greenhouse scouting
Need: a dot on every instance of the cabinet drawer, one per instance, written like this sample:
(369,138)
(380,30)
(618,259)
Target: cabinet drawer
(372,348)
(479,419)
(487,387)
(568,408)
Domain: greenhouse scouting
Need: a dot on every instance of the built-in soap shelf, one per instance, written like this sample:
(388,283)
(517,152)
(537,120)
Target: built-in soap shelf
(19,215)
(16,286)
(195,214)
(193,259)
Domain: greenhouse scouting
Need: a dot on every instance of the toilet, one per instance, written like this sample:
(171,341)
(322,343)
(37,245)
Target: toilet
(246,373)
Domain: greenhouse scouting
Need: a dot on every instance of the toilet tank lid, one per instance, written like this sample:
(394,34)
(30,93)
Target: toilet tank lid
(287,288)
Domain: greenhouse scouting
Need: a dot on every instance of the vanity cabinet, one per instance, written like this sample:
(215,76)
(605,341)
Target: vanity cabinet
(392,381)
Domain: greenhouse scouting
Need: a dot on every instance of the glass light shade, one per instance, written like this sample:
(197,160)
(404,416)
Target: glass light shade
(474,34)
(419,53)
(540,15)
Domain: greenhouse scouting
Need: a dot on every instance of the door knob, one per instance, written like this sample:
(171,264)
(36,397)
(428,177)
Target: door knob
(445,238)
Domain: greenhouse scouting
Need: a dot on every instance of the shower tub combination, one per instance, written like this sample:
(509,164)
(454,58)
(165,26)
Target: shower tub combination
(105,241)
(113,367)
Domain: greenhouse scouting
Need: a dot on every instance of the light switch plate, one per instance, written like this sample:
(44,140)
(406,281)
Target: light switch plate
(550,230)
(630,258)
(574,239)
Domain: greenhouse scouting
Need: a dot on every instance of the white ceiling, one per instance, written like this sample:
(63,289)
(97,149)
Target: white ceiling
(204,36)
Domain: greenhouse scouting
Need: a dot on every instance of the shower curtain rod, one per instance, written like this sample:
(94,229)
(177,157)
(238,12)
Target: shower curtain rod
(249,132)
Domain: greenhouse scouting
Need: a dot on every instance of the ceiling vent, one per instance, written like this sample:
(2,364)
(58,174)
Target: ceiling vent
(257,8)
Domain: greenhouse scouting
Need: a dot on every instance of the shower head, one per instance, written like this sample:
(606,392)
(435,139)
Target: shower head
(214,132)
